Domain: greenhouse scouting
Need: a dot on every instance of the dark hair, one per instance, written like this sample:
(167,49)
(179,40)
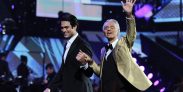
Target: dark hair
(68,17)
(49,66)
(2,54)
(23,58)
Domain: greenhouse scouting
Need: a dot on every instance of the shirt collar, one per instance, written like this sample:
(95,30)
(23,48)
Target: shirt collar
(114,43)
(71,40)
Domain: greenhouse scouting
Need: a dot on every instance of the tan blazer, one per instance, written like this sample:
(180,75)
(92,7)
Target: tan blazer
(125,64)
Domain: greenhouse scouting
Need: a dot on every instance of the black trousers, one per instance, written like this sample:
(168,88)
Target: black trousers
(118,86)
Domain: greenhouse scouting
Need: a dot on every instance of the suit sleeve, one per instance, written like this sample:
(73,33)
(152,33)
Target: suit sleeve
(87,49)
(97,67)
(57,81)
(131,32)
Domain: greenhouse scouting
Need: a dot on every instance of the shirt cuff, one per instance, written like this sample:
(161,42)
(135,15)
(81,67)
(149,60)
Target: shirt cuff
(131,18)
(84,66)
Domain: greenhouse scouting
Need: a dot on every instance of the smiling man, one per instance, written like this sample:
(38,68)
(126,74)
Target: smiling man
(118,71)
(73,76)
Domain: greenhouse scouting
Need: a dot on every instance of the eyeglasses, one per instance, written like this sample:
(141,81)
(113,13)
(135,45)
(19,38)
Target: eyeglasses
(109,27)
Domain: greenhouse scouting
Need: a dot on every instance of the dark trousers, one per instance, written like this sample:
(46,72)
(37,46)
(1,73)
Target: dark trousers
(116,86)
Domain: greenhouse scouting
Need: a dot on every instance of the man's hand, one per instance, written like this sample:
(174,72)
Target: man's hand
(128,6)
(83,57)
(45,81)
(47,90)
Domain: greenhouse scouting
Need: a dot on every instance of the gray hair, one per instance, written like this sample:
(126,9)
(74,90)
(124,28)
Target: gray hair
(115,22)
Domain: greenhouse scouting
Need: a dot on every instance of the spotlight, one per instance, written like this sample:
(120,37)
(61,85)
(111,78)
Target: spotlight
(145,11)
(142,68)
(0,28)
(150,75)
(134,59)
(156,83)
(4,31)
(12,7)
(162,89)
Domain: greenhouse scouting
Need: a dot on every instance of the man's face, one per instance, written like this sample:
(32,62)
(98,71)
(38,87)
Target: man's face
(110,30)
(67,29)
(49,71)
(3,58)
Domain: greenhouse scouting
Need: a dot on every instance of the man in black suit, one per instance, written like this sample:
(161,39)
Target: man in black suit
(6,78)
(73,76)
(23,72)
(22,69)
(4,69)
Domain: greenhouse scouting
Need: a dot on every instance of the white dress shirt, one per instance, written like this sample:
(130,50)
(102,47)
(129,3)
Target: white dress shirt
(69,43)
(109,51)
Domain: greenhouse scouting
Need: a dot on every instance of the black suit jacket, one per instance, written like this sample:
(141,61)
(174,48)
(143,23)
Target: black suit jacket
(23,70)
(4,69)
(72,78)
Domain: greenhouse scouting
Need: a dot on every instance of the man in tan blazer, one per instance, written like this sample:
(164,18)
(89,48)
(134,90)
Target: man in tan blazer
(118,71)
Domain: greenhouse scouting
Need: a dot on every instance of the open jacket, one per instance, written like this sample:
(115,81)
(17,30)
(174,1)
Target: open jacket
(123,59)
(70,77)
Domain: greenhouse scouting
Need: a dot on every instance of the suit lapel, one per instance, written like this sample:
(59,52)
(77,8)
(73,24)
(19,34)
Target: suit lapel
(116,49)
(103,52)
(73,47)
